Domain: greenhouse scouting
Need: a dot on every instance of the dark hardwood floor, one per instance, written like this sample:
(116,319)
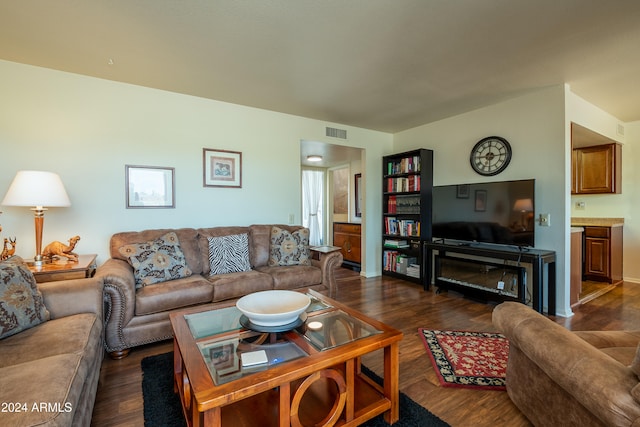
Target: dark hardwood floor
(407,307)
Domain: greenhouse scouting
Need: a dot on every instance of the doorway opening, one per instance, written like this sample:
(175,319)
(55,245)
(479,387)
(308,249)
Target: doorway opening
(334,199)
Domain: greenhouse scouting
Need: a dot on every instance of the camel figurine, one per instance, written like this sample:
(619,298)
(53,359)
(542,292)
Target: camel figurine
(59,249)
(8,248)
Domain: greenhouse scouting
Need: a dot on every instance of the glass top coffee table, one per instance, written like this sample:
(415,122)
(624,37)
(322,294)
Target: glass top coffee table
(229,372)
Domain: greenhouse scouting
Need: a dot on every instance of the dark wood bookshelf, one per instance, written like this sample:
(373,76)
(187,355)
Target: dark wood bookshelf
(407,187)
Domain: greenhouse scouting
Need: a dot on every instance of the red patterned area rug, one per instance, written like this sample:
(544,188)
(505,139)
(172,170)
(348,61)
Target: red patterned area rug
(468,359)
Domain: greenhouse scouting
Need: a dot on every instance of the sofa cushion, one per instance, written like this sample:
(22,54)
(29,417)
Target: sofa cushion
(289,248)
(174,294)
(54,380)
(21,303)
(235,285)
(293,277)
(229,254)
(623,355)
(157,260)
(69,334)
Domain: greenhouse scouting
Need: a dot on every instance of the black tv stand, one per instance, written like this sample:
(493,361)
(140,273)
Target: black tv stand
(537,258)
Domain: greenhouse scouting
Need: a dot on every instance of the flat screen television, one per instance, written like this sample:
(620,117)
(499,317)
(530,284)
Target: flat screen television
(489,212)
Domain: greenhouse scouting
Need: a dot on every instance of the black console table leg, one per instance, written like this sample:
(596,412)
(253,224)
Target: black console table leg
(551,304)
(538,285)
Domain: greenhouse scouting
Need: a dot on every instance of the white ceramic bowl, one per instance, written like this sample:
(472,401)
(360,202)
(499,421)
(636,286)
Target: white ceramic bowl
(273,308)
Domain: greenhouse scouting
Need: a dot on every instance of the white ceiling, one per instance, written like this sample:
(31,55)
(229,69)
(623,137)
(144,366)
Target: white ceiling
(387,65)
(332,154)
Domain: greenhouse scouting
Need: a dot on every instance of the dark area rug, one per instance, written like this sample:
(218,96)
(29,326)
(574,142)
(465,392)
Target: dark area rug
(468,359)
(162,405)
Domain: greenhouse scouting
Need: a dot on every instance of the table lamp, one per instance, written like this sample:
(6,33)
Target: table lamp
(37,189)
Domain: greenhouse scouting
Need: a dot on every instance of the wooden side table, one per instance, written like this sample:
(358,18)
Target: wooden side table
(317,250)
(63,269)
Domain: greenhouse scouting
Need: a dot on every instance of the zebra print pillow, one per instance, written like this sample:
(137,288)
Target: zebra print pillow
(229,254)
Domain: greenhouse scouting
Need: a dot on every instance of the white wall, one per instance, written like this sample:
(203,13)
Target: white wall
(613,205)
(88,129)
(534,125)
(629,202)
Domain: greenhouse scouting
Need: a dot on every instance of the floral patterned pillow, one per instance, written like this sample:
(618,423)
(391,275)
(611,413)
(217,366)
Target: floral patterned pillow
(21,303)
(288,248)
(156,261)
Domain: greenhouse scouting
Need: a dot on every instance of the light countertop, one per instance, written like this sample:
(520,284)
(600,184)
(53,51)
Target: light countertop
(597,222)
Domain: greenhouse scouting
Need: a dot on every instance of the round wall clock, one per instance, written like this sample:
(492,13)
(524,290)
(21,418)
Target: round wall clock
(490,156)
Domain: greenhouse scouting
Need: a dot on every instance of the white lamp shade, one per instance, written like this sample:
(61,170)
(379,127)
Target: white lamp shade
(36,188)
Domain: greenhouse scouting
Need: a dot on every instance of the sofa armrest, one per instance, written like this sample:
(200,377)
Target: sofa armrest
(67,297)
(597,381)
(607,339)
(119,299)
(328,262)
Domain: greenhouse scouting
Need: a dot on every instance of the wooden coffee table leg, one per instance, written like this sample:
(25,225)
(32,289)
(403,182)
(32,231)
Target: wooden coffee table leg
(212,418)
(349,375)
(391,377)
(285,405)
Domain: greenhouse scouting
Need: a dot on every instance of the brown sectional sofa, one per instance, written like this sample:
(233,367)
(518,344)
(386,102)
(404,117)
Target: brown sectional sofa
(56,364)
(561,378)
(135,317)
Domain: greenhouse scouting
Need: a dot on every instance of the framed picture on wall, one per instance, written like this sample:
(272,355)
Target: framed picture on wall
(221,168)
(149,187)
(341,191)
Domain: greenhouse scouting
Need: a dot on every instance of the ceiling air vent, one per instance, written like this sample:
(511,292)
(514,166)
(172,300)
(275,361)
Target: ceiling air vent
(336,133)
(620,129)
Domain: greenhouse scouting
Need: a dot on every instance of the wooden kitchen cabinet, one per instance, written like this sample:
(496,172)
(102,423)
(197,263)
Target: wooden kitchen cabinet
(597,169)
(347,237)
(603,254)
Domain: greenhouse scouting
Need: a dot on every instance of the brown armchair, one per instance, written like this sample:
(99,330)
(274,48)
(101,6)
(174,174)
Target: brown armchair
(558,377)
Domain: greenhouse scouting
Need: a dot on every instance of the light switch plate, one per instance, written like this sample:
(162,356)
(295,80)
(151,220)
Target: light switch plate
(544,220)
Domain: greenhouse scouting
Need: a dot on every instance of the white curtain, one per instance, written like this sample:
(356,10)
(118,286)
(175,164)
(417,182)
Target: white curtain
(312,195)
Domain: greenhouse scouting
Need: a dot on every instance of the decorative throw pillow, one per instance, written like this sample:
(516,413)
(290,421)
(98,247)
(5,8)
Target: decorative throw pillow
(229,254)
(21,303)
(156,261)
(289,248)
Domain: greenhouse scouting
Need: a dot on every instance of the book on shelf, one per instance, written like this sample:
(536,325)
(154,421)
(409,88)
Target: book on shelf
(389,260)
(413,270)
(407,204)
(404,184)
(403,262)
(393,243)
(400,263)
(405,165)
(392,204)
(402,227)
